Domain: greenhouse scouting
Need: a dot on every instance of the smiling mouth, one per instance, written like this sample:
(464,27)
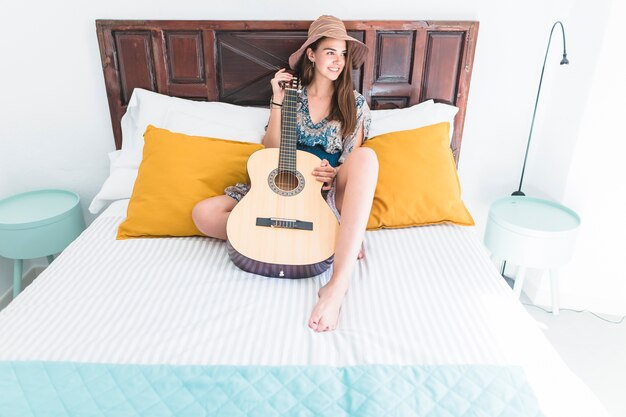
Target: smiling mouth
(334,69)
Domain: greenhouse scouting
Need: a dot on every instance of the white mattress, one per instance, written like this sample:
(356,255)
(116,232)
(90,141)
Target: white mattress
(421,296)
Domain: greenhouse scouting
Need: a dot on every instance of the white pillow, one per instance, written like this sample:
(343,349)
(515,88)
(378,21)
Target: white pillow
(199,118)
(211,119)
(444,113)
(113,157)
(117,186)
(420,115)
(245,124)
(144,108)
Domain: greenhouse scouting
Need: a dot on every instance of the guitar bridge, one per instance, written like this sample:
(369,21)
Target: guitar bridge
(283,223)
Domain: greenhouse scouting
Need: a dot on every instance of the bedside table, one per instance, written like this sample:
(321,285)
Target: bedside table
(37,224)
(532,233)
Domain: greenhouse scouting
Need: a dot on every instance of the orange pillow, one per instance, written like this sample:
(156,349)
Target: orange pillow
(178,171)
(417,180)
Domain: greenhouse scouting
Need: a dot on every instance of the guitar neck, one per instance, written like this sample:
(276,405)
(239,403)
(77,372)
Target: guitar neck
(288,138)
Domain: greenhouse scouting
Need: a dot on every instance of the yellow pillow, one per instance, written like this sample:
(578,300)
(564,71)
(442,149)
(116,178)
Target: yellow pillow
(417,180)
(176,172)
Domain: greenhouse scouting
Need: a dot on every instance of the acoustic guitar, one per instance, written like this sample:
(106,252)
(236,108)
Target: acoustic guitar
(283,227)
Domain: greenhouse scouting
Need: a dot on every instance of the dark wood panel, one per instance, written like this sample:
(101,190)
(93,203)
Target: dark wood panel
(185,57)
(233,61)
(247,61)
(419,58)
(379,103)
(135,62)
(443,63)
(208,37)
(395,57)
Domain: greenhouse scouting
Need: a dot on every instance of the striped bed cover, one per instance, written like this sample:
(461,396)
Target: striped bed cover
(425,305)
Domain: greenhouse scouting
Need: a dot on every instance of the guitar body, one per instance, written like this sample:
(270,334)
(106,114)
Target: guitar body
(283,227)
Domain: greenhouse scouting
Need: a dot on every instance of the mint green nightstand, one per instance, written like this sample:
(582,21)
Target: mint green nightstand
(37,224)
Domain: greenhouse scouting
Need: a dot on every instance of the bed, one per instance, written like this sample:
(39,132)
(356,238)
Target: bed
(170,327)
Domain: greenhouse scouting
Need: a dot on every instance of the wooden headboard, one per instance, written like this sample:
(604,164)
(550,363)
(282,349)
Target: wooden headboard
(233,61)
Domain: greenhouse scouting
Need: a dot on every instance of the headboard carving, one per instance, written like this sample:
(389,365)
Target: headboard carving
(233,61)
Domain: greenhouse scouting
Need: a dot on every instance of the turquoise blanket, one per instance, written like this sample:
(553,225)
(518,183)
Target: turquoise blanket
(53,389)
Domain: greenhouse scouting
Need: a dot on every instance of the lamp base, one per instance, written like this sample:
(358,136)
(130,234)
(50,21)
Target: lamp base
(518,193)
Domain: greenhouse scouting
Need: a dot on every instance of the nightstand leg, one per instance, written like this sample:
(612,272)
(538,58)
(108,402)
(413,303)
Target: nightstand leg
(519,280)
(17,277)
(50,259)
(554,282)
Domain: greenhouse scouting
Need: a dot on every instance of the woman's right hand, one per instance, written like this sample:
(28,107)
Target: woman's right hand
(277,90)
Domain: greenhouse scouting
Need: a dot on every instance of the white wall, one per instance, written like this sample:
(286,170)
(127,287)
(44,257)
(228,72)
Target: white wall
(55,128)
(596,278)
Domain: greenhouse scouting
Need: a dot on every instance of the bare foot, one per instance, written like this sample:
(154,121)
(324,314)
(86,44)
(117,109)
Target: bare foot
(361,254)
(326,312)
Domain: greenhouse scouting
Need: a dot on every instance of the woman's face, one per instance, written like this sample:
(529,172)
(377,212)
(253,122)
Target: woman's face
(329,57)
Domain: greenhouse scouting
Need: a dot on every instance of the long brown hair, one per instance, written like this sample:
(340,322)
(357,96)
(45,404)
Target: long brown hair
(343,106)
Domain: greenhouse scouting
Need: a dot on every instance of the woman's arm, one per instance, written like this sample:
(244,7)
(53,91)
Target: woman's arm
(272,134)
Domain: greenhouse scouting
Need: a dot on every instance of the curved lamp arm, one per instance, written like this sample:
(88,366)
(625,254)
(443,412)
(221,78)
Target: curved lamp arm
(564,61)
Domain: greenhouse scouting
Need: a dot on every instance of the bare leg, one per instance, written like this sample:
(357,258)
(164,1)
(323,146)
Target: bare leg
(356,183)
(211,215)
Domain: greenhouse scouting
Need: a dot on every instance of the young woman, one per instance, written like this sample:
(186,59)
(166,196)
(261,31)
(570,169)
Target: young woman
(332,123)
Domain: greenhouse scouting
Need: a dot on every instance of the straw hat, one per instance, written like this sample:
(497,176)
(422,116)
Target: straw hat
(331,27)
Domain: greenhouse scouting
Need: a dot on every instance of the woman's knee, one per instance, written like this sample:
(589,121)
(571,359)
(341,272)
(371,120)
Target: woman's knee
(205,210)
(365,157)
(365,162)
(198,213)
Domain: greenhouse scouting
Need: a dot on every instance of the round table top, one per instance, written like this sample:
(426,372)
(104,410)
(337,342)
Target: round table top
(36,208)
(533,215)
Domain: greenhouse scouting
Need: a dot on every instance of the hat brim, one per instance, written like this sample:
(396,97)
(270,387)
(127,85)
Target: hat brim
(358,50)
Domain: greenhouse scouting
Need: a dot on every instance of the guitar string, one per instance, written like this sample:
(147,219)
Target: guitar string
(288,154)
(292,139)
(292,142)
(289,133)
(284,151)
(286,140)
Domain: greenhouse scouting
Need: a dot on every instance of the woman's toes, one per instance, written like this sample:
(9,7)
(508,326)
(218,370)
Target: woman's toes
(323,327)
(314,321)
(325,314)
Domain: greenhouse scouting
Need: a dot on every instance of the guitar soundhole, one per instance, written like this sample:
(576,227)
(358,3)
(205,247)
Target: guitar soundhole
(286,183)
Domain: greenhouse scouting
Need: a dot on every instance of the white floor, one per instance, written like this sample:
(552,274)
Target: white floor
(594,349)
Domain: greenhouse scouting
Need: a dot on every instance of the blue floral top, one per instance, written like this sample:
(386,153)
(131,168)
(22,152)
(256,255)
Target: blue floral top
(324,138)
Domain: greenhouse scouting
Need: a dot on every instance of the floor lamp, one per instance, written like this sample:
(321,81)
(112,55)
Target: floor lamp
(564,61)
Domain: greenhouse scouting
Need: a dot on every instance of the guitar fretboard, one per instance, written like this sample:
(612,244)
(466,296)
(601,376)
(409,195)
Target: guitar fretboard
(288,140)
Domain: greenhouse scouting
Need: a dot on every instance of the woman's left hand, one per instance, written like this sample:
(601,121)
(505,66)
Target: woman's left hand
(325,173)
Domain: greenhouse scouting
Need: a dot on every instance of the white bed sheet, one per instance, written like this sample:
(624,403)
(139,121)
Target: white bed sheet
(421,296)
